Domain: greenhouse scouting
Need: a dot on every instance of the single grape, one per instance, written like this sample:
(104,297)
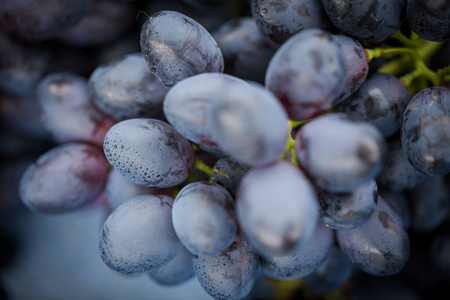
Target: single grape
(307,74)
(230,274)
(304,260)
(228,173)
(276,209)
(64,178)
(425,131)
(176,47)
(177,271)
(154,155)
(429,19)
(380,246)
(204,218)
(67,111)
(348,210)
(126,89)
(340,152)
(138,236)
(399,204)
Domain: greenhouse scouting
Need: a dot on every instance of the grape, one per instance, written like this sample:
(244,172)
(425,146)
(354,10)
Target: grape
(63,179)
(370,21)
(67,111)
(425,131)
(279,20)
(138,236)
(276,208)
(228,172)
(307,74)
(230,274)
(154,155)
(204,218)
(398,174)
(37,20)
(177,271)
(348,210)
(331,274)
(249,124)
(126,89)
(245,50)
(340,152)
(176,47)
(399,204)
(302,261)
(187,104)
(381,101)
(429,19)
(380,246)
(356,63)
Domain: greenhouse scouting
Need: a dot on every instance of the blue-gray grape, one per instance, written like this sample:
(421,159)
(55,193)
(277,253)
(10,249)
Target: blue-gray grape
(177,271)
(429,19)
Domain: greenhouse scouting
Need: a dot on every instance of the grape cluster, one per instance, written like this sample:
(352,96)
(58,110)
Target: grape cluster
(294,139)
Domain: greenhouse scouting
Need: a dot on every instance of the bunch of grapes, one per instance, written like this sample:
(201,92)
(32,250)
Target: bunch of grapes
(295,140)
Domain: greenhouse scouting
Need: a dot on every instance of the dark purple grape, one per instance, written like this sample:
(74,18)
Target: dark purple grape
(228,172)
(304,260)
(177,271)
(230,274)
(398,174)
(276,208)
(348,210)
(429,19)
(281,19)
(425,131)
(307,74)
(399,204)
(331,274)
(67,110)
(64,179)
(138,236)
(245,50)
(176,47)
(204,218)
(380,246)
(37,20)
(356,63)
(340,152)
(370,21)
(126,89)
(381,101)
(249,124)
(187,105)
(149,152)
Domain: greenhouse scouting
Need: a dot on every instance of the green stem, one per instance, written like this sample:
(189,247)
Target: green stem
(404,40)
(379,52)
(203,167)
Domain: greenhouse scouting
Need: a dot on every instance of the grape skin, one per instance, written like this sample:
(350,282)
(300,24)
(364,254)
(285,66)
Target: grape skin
(228,172)
(429,19)
(177,271)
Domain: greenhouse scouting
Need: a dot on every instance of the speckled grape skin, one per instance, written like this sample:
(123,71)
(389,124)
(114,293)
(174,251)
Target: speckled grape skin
(64,178)
(303,260)
(138,236)
(307,74)
(425,131)
(187,104)
(356,64)
(176,47)
(429,19)
(177,271)
(348,210)
(245,50)
(276,208)
(340,152)
(149,152)
(126,89)
(381,101)
(398,174)
(280,19)
(249,124)
(230,274)
(67,111)
(204,218)
(380,246)
(367,21)
(228,172)
(331,274)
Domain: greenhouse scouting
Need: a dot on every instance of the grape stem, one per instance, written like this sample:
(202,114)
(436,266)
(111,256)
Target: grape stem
(290,145)
(200,165)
